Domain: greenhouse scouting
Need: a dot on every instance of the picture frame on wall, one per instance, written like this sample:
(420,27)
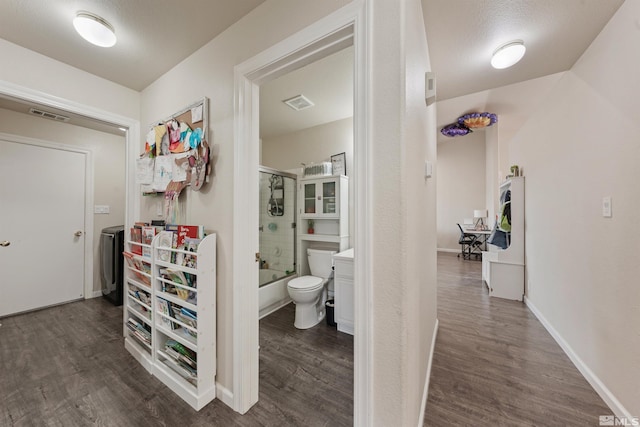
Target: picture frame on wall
(339,164)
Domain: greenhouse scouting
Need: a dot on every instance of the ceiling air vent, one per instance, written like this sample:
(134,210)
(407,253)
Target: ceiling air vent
(299,102)
(48,115)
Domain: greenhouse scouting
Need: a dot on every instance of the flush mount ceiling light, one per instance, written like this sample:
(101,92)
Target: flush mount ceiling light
(299,102)
(508,54)
(94,29)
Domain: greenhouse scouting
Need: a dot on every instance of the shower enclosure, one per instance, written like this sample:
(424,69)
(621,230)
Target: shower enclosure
(277,225)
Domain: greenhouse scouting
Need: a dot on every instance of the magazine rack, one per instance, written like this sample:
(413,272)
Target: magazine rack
(181,316)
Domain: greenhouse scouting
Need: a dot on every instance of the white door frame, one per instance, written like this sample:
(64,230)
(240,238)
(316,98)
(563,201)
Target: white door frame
(132,138)
(326,36)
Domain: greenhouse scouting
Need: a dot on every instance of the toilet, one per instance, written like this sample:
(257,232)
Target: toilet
(308,292)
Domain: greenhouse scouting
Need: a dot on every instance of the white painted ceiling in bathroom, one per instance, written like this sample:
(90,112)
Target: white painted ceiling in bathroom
(328,83)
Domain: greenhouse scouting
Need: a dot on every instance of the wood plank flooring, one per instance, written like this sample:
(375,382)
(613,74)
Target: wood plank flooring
(67,366)
(494,363)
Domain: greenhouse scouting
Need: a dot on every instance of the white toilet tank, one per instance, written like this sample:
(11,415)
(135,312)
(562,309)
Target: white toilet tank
(320,262)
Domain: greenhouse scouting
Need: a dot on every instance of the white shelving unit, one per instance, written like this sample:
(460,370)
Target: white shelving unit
(138,307)
(325,200)
(201,389)
(197,294)
(503,269)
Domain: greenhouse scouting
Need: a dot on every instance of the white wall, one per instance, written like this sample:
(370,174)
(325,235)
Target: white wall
(403,135)
(582,269)
(109,166)
(209,72)
(461,185)
(35,71)
(312,145)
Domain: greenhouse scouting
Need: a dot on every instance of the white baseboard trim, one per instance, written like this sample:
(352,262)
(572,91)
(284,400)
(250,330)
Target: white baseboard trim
(614,404)
(425,392)
(453,251)
(274,307)
(95,294)
(224,395)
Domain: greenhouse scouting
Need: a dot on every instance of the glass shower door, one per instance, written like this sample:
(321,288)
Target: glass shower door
(277,225)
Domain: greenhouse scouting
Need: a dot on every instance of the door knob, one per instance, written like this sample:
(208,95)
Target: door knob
(78,233)
(257,256)
(5,243)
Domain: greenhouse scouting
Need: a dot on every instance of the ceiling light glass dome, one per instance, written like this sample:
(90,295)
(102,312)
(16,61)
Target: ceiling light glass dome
(94,29)
(508,54)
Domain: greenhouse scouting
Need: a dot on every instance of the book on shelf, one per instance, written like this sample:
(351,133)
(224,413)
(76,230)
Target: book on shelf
(189,318)
(139,330)
(187,260)
(183,231)
(189,356)
(184,360)
(136,236)
(177,277)
(165,308)
(148,233)
(165,241)
(138,267)
(140,295)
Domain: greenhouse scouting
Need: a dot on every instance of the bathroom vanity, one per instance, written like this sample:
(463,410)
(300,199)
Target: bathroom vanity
(343,283)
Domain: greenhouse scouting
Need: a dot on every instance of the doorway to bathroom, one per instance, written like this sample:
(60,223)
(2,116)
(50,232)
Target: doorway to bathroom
(346,27)
(299,141)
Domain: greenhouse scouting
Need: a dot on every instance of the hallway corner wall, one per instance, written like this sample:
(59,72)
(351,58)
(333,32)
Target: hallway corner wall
(581,269)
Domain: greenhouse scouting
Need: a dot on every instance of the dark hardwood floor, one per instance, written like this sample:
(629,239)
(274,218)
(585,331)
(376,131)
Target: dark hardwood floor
(67,366)
(496,365)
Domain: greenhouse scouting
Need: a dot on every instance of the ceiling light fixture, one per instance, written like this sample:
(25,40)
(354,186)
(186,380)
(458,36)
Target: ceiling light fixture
(94,29)
(508,54)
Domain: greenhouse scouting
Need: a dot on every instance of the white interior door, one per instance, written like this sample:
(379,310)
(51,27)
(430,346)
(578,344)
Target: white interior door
(42,204)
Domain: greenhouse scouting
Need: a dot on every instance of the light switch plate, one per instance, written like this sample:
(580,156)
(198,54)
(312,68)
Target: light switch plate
(606,207)
(101,209)
(428,169)
(429,87)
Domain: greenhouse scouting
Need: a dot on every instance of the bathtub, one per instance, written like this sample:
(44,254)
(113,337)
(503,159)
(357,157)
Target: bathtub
(272,296)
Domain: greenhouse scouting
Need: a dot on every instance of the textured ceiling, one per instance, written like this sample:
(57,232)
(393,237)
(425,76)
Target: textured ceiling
(462,35)
(328,83)
(153,35)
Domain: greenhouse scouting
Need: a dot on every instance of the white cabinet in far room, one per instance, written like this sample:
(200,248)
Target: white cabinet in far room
(323,217)
(322,197)
(343,283)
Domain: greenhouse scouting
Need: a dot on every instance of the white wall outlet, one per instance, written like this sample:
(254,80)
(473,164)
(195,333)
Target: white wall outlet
(101,209)
(606,207)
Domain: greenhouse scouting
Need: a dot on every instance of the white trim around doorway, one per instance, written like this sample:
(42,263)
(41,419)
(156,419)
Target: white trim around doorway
(348,25)
(132,138)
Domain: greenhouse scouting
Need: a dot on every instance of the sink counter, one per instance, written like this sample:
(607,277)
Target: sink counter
(345,255)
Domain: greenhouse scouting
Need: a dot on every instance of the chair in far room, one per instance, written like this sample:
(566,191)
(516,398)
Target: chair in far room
(469,244)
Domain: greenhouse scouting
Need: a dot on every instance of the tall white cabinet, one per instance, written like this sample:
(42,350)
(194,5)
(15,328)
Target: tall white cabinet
(325,201)
(503,269)
(175,291)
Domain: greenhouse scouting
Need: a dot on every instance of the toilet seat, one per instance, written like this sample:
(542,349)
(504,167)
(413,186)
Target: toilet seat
(306,283)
